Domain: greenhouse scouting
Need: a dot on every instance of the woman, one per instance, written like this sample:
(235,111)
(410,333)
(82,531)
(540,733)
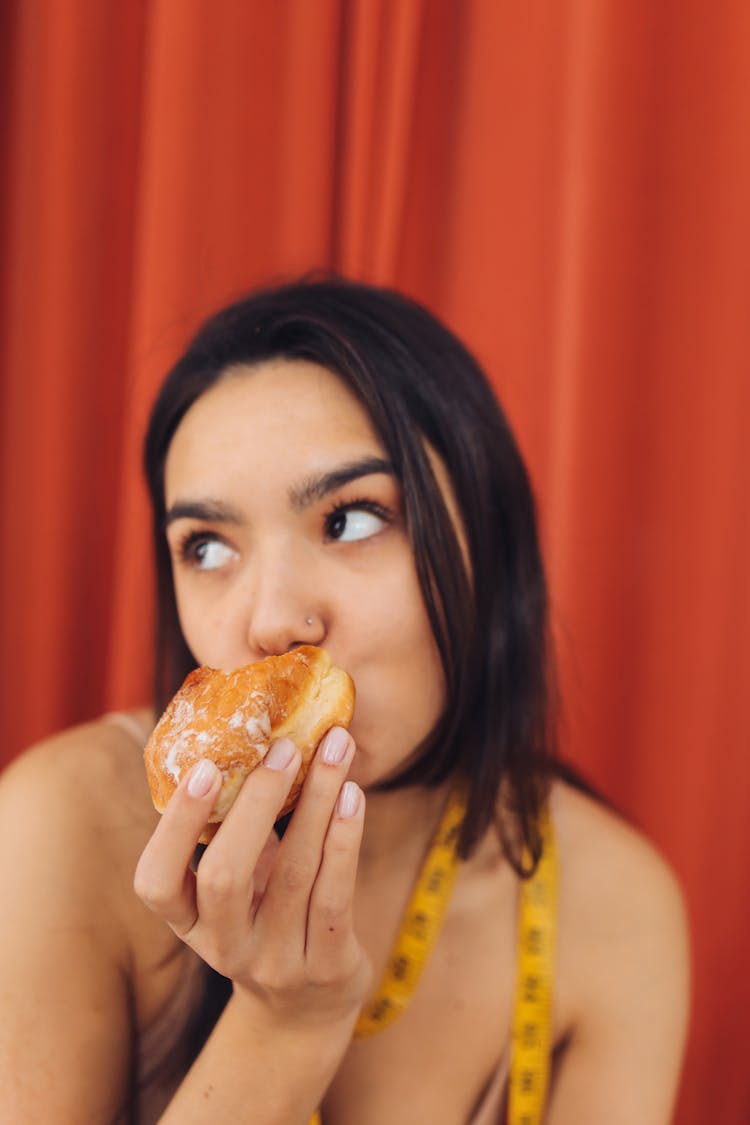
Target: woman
(328,466)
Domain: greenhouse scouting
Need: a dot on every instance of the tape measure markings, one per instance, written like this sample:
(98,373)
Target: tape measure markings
(420,926)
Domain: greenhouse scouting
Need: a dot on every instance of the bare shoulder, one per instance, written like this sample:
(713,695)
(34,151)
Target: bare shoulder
(74,815)
(623,968)
(615,883)
(82,796)
(100,762)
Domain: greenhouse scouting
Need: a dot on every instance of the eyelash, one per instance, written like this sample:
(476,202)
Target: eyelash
(187,544)
(361,505)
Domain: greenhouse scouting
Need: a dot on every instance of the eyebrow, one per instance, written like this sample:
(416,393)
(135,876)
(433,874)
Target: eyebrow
(300,496)
(212,511)
(316,487)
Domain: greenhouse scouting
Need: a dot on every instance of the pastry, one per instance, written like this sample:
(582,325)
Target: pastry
(233,717)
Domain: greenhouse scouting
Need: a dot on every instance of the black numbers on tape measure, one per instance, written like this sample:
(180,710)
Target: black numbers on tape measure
(400,967)
(538,893)
(528,1081)
(435,881)
(448,838)
(533,940)
(419,925)
(531,986)
(530,1065)
(380,1009)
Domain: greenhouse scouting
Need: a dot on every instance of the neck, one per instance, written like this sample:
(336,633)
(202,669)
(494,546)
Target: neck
(399,825)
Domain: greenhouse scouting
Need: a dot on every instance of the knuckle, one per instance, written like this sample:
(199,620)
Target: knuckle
(339,843)
(220,955)
(264,788)
(273,976)
(324,976)
(332,972)
(262,971)
(154,894)
(332,912)
(341,849)
(217,881)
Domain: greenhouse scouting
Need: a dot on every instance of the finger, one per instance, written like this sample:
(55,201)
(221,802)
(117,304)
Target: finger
(264,866)
(227,873)
(163,879)
(287,898)
(330,928)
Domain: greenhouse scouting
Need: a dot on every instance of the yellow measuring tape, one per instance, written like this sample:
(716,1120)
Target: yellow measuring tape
(531,1039)
(420,925)
(532,1015)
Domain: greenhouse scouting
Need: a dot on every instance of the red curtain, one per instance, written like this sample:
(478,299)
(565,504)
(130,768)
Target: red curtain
(568,185)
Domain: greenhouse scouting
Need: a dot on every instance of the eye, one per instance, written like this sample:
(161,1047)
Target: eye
(205,552)
(350,522)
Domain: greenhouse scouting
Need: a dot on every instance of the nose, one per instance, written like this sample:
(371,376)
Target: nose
(284,607)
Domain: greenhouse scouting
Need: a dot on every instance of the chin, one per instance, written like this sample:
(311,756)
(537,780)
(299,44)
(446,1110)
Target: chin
(370,768)
(364,768)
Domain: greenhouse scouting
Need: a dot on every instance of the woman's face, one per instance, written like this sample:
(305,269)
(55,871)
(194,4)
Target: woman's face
(281,507)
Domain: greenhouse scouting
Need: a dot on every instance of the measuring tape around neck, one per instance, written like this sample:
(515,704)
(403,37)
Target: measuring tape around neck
(531,1047)
(420,925)
(532,1018)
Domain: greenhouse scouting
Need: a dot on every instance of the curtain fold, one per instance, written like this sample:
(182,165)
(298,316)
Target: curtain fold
(380,61)
(567,185)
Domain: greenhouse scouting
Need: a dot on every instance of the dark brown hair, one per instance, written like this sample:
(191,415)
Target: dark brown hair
(418,383)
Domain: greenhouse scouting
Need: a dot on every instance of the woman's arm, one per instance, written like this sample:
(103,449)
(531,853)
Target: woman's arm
(628,964)
(243,1073)
(65,1029)
(68,843)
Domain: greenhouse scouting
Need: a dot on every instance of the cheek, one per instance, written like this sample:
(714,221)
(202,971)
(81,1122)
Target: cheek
(203,625)
(189,620)
(400,618)
(400,682)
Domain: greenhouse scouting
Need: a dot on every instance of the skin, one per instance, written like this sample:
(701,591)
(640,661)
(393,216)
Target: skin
(304,928)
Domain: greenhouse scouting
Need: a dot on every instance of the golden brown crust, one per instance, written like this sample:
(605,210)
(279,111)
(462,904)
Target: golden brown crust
(233,717)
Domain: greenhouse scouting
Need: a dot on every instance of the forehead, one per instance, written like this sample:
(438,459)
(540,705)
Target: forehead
(290,409)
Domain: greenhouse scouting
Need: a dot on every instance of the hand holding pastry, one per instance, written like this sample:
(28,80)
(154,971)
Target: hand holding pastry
(285,938)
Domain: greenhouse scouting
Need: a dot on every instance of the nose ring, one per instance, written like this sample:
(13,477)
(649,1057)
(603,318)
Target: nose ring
(308,621)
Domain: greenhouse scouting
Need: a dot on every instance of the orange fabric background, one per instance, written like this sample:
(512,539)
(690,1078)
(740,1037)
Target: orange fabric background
(569,186)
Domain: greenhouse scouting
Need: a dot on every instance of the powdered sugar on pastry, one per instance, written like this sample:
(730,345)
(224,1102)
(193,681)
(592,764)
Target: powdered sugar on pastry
(232,718)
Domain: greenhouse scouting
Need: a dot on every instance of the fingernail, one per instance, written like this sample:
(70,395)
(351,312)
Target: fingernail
(334,746)
(202,778)
(348,801)
(280,754)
